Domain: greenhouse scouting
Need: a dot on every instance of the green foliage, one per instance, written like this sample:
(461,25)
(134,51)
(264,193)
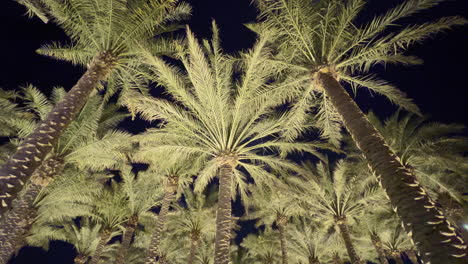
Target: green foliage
(432,150)
(324,34)
(214,115)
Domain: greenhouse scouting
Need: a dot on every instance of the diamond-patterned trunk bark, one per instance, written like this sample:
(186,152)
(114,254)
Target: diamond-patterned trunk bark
(152,253)
(430,230)
(412,255)
(283,243)
(15,224)
(375,239)
(80,259)
(126,239)
(223,216)
(348,243)
(194,240)
(104,238)
(34,148)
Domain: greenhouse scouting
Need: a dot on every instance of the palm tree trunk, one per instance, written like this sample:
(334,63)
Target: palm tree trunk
(223,215)
(126,239)
(430,230)
(412,255)
(193,248)
(348,242)
(284,246)
(379,248)
(15,224)
(34,148)
(152,253)
(314,260)
(397,257)
(336,259)
(105,236)
(80,259)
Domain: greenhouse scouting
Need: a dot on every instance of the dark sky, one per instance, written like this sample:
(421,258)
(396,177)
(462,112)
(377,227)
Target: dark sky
(438,87)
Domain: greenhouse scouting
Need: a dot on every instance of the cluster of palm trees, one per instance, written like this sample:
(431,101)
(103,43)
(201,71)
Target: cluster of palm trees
(323,181)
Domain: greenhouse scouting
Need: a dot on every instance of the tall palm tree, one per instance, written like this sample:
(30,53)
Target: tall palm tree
(218,120)
(84,236)
(142,193)
(433,151)
(262,248)
(195,223)
(104,35)
(395,242)
(308,243)
(89,143)
(323,46)
(173,179)
(275,207)
(337,196)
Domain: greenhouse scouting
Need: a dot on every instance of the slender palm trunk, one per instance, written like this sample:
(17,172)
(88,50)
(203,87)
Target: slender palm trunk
(348,242)
(104,237)
(412,255)
(152,253)
(397,257)
(284,246)
(314,260)
(379,248)
(336,259)
(223,215)
(126,239)
(15,224)
(32,151)
(193,247)
(80,259)
(430,230)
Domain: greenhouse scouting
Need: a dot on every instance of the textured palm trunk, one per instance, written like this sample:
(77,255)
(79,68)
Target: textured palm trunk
(314,260)
(193,247)
(431,232)
(379,248)
(412,255)
(336,259)
(223,215)
(152,253)
(80,259)
(163,260)
(397,257)
(34,148)
(284,247)
(104,237)
(15,224)
(126,239)
(348,242)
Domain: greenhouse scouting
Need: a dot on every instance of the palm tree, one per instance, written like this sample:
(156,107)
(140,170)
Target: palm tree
(395,242)
(195,223)
(218,120)
(275,207)
(173,179)
(142,193)
(262,248)
(336,197)
(104,35)
(432,151)
(89,143)
(309,244)
(84,236)
(323,46)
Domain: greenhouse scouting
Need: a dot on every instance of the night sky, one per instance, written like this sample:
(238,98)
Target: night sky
(438,87)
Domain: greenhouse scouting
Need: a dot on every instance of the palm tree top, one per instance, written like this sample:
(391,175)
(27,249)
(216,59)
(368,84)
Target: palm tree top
(223,112)
(323,36)
(112,26)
